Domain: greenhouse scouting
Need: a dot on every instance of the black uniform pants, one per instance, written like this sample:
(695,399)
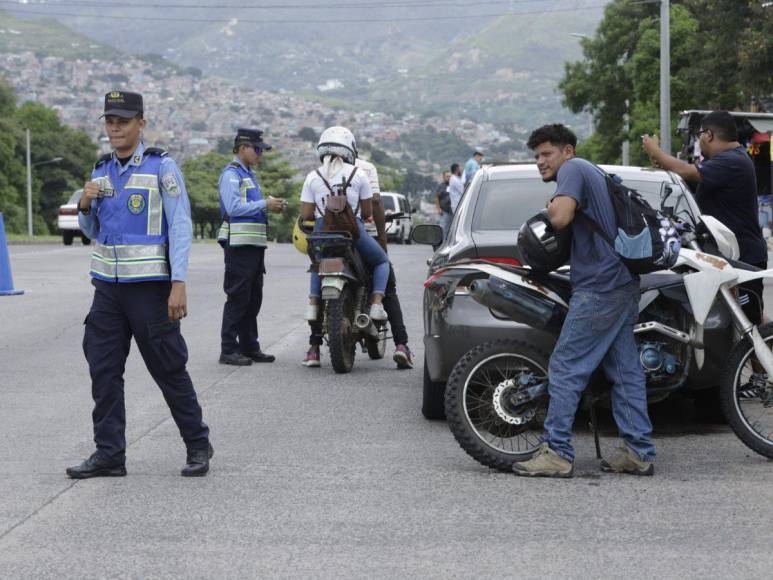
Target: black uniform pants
(243,285)
(391,305)
(750,297)
(120,311)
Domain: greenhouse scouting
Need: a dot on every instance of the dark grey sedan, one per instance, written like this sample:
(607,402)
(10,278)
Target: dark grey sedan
(498,200)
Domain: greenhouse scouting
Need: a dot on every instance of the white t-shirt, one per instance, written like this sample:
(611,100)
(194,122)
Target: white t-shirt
(455,191)
(370,172)
(314,189)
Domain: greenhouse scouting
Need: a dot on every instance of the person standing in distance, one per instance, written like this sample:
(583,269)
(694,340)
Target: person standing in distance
(471,167)
(727,190)
(598,329)
(443,203)
(455,187)
(243,237)
(137,209)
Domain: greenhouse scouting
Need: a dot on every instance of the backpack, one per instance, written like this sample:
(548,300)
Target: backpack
(338,215)
(646,239)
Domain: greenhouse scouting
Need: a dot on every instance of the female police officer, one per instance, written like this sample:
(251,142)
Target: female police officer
(137,209)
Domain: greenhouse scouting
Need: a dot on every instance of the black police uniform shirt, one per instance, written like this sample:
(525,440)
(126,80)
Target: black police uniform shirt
(728,192)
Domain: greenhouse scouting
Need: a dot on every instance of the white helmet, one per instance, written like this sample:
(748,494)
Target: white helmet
(337,141)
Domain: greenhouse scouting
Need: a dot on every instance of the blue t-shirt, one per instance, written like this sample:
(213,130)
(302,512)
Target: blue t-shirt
(728,192)
(594,264)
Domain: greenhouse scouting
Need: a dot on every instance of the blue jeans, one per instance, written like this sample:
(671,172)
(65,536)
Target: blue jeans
(599,330)
(370,252)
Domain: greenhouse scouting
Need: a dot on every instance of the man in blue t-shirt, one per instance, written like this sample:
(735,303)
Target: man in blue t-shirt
(598,329)
(727,190)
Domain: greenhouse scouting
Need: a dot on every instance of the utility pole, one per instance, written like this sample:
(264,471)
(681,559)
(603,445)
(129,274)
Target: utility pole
(626,129)
(29,187)
(665,76)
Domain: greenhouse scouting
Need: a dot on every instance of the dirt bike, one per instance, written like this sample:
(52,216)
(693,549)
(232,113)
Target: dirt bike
(691,333)
(346,288)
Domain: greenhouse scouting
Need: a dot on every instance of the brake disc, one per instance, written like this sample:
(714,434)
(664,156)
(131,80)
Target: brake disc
(501,400)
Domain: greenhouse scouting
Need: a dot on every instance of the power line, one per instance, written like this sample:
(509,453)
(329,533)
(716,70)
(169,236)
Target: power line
(310,6)
(313,21)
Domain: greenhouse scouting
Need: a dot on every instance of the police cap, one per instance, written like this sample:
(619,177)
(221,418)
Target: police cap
(123,104)
(253,137)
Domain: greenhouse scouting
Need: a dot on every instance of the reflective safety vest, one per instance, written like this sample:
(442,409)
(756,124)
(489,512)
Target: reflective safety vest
(244,230)
(132,241)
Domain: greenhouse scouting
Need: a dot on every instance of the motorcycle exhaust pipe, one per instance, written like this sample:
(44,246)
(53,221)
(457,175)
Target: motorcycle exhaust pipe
(365,324)
(518,304)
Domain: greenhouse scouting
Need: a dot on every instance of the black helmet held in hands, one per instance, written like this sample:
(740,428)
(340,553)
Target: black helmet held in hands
(544,248)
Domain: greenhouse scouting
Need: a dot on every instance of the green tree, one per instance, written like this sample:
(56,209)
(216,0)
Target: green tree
(721,56)
(201,181)
(277,178)
(275,175)
(53,183)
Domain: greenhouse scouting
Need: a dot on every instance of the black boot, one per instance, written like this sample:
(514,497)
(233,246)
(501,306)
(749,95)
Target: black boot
(234,358)
(95,466)
(197,462)
(260,356)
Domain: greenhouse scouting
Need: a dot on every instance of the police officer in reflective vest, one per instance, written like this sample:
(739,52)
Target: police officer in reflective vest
(243,237)
(137,210)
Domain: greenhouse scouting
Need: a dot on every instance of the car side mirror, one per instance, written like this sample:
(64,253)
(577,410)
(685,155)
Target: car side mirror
(428,234)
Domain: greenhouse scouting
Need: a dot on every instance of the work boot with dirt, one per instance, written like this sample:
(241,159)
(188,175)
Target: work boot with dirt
(544,463)
(625,460)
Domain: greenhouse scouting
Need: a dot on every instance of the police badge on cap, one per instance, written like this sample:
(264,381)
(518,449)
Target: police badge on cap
(123,104)
(252,137)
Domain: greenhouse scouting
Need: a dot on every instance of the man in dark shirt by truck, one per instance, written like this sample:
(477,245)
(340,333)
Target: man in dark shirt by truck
(727,190)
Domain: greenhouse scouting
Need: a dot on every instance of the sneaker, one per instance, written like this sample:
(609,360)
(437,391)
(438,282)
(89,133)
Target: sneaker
(311,312)
(403,357)
(311,359)
(377,312)
(544,463)
(625,460)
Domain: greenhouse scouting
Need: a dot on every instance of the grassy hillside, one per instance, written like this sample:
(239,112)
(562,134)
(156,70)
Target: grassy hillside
(506,72)
(48,37)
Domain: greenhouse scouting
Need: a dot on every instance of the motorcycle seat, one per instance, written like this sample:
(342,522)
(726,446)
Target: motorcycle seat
(657,280)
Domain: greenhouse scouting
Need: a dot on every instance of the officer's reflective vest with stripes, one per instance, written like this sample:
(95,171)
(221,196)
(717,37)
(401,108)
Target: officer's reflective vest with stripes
(132,240)
(244,230)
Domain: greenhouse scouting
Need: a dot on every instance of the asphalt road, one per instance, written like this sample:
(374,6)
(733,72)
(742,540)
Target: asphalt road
(325,476)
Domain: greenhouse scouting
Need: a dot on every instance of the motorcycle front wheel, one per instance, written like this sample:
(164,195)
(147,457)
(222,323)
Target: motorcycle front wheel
(481,402)
(746,395)
(341,340)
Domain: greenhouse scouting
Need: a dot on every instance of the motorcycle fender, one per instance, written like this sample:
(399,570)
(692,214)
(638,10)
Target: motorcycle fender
(332,286)
(702,289)
(746,275)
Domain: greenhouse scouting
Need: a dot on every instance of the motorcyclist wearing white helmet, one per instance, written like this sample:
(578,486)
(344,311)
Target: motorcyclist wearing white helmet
(337,152)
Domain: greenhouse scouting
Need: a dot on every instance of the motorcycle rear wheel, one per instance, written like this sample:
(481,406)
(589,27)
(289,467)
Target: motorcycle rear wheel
(495,435)
(341,341)
(376,346)
(748,407)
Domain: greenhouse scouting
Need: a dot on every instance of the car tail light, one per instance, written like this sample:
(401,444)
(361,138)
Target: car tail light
(429,281)
(68,211)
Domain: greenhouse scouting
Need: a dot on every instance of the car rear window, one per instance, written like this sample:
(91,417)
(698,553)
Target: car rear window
(388,201)
(505,205)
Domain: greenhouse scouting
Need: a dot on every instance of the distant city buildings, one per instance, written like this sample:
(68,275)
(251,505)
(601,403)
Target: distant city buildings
(189,114)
